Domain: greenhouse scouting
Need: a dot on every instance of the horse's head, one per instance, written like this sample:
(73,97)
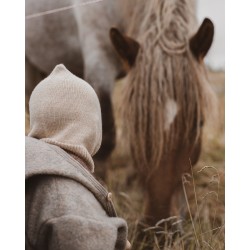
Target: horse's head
(165,99)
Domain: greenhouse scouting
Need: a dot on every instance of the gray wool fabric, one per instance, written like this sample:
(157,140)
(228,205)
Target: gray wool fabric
(65,206)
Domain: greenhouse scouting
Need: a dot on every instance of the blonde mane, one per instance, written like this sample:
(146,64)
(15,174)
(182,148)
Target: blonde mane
(165,77)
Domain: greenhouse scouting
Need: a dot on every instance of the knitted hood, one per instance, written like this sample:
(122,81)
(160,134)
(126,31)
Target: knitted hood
(65,111)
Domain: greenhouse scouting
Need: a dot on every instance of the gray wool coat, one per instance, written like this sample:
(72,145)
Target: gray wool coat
(66,207)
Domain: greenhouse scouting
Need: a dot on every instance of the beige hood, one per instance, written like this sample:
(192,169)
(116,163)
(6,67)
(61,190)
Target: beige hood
(65,111)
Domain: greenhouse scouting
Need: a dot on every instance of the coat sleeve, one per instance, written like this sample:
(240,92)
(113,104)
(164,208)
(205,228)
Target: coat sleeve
(77,233)
(62,214)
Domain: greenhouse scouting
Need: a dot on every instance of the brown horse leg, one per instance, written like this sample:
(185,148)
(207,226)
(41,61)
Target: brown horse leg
(108,134)
(32,77)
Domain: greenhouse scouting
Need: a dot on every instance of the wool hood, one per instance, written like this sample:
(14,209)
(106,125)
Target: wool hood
(65,111)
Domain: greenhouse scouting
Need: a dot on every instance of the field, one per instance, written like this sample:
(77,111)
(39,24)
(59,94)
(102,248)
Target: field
(204,223)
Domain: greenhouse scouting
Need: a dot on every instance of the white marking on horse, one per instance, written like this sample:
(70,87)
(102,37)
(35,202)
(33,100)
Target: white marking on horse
(171,110)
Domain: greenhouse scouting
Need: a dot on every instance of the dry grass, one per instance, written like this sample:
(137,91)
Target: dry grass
(204,222)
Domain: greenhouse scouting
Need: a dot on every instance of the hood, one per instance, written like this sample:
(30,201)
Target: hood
(65,111)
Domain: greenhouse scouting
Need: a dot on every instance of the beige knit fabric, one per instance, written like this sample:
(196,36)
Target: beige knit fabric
(65,111)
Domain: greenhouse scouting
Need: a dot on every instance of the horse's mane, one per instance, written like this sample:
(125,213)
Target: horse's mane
(165,81)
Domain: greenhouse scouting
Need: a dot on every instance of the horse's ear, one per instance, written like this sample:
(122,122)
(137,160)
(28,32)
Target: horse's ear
(126,47)
(201,42)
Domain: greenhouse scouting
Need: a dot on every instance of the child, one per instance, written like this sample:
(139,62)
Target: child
(66,207)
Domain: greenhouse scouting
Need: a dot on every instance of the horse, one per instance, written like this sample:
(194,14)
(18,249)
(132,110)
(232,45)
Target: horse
(78,38)
(159,50)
